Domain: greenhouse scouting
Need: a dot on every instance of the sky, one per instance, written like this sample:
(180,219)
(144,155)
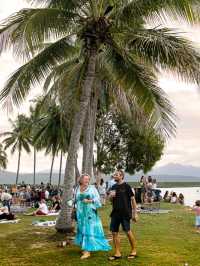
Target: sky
(184,149)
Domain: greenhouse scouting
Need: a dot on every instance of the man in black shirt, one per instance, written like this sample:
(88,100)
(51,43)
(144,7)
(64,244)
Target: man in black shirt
(124,209)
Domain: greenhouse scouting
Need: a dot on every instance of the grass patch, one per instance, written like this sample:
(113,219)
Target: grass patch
(162,239)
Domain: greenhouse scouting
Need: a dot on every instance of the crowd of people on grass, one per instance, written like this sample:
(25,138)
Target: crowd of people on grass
(45,198)
(172,197)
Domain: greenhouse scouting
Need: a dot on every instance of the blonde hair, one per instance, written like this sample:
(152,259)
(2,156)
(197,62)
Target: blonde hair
(81,178)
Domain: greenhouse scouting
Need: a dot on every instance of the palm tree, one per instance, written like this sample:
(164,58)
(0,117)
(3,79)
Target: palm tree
(33,121)
(52,134)
(110,34)
(3,158)
(18,139)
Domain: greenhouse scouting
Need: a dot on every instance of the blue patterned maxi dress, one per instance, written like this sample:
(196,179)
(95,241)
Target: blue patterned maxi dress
(90,234)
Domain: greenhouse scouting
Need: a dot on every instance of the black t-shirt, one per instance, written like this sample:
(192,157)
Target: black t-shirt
(122,201)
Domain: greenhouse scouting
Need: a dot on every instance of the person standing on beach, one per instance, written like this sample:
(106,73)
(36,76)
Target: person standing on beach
(196,209)
(124,209)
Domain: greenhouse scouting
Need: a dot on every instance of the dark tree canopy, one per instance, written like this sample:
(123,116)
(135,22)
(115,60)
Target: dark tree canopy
(121,142)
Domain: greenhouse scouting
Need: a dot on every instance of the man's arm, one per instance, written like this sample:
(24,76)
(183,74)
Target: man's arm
(134,209)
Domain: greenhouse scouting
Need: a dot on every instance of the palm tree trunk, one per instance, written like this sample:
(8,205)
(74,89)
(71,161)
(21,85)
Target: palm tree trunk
(18,166)
(60,170)
(77,172)
(92,134)
(64,221)
(86,141)
(88,136)
(34,167)
(51,171)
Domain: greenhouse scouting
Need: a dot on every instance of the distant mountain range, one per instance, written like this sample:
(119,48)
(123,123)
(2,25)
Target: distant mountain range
(167,173)
(10,177)
(177,169)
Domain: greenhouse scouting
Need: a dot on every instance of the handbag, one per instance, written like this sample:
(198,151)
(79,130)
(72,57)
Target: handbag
(74,214)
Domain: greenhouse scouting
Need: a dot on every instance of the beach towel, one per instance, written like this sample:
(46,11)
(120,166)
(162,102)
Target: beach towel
(44,223)
(9,221)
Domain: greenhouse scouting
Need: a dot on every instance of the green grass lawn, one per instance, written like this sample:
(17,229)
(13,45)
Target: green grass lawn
(162,239)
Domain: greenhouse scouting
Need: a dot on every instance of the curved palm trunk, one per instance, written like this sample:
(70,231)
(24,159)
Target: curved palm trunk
(60,170)
(18,166)
(34,167)
(88,137)
(77,172)
(64,221)
(51,171)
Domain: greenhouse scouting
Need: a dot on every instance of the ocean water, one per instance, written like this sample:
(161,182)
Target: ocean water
(191,194)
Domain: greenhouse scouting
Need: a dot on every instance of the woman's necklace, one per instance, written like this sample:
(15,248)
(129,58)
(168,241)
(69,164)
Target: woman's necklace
(83,188)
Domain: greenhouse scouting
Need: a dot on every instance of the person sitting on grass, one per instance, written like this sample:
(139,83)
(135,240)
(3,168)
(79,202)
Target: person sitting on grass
(55,204)
(196,208)
(42,210)
(181,199)
(5,214)
(174,198)
(167,197)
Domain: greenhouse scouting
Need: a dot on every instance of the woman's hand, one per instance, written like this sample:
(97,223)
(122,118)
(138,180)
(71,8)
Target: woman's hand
(88,201)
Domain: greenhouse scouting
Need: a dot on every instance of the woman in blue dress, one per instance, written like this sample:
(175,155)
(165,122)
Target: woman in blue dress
(90,234)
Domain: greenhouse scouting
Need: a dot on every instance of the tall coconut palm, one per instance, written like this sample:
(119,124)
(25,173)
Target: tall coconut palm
(52,135)
(39,106)
(18,139)
(33,121)
(113,34)
(3,158)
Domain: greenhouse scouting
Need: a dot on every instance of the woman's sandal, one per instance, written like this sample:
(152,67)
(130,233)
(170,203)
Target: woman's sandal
(114,258)
(131,256)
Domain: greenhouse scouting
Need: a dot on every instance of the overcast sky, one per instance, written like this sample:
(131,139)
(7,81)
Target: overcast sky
(184,149)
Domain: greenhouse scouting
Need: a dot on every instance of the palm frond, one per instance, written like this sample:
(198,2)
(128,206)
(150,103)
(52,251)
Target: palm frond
(35,71)
(70,5)
(66,84)
(3,157)
(59,70)
(158,10)
(28,28)
(168,50)
(141,83)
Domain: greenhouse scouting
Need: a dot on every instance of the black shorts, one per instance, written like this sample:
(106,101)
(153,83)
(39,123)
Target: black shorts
(116,221)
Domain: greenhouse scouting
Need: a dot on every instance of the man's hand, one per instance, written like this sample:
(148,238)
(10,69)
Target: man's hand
(112,194)
(135,216)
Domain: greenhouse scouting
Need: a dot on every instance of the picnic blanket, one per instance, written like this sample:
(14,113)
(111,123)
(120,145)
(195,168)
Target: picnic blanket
(49,214)
(44,223)
(52,214)
(18,209)
(9,221)
(154,211)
